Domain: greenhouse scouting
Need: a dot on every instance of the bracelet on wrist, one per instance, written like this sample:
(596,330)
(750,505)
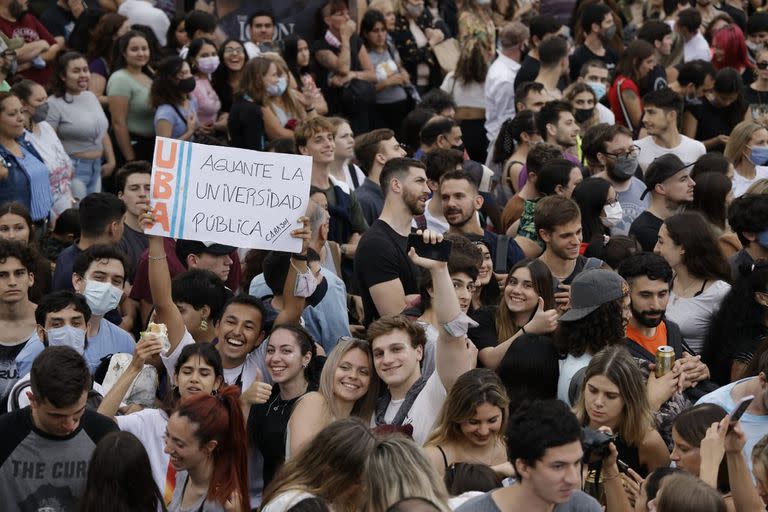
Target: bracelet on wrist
(156,258)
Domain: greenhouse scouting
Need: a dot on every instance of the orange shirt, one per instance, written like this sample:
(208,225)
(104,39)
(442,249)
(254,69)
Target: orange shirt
(649,343)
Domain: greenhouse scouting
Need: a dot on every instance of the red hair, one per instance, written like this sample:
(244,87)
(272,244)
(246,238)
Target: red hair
(730,40)
(219,418)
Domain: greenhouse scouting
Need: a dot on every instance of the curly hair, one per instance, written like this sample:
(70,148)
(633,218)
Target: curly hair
(599,329)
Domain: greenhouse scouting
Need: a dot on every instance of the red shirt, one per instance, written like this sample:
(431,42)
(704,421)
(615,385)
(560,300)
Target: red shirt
(613,98)
(140,289)
(30,30)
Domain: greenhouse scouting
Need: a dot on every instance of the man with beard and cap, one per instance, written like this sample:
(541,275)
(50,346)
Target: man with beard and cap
(461,202)
(649,276)
(387,277)
(618,156)
(39,49)
(669,181)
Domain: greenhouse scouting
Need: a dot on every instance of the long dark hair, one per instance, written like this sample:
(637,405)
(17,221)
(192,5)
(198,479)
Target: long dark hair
(58,87)
(120,477)
(599,329)
(291,56)
(591,195)
(737,328)
(165,86)
(637,51)
(103,37)
(702,256)
(709,197)
(510,134)
(692,425)
(194,48)
(118,56)
(306,344)
(542,285)
(220,77)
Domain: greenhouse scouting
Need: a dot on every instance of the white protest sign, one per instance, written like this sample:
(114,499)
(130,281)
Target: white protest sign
(229,196)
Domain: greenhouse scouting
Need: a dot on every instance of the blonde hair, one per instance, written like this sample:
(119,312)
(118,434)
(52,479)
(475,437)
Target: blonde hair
(364,406)
(399,6)
(683,491)
(379,5)
(327,465)
(758,187)
(617,365)
(289,96)
(397,469)
(472,389)
(739,139)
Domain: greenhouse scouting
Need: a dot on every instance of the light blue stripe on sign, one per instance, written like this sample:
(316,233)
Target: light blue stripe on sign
(185,190)
(179,168)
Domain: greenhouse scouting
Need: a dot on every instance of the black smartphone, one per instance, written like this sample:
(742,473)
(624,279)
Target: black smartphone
(739,410)
(623,468)
(437,252)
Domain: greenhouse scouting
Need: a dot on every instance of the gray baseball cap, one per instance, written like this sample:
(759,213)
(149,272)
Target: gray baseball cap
(591,289)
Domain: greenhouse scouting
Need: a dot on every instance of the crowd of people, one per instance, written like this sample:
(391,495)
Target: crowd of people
(533,271)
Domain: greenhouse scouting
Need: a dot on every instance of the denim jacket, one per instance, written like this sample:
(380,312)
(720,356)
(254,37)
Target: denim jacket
(8,188)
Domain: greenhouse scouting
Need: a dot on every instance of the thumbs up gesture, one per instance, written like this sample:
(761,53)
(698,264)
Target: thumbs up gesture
(543,321)
(258,393)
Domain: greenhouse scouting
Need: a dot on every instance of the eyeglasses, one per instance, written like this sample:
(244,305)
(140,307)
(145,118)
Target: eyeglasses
(234,51)
(761,65)
(632,153)
(470,287)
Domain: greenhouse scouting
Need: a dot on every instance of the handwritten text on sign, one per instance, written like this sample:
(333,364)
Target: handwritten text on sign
(229,196)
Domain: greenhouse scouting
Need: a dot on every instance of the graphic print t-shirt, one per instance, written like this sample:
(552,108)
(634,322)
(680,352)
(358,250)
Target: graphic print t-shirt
(43,472)
(9,373)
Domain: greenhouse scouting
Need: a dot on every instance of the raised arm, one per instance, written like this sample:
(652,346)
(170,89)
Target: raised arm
(453,356)
(744,493)
(160,285)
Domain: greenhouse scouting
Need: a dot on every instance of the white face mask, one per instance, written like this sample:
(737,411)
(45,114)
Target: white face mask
(102,297)
(67,336)
(613,215)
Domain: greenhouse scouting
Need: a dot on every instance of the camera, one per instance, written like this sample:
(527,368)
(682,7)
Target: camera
(595,444)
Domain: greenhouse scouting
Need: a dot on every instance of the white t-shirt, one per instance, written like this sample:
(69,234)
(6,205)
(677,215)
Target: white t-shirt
(693,314)
(696,49)
(149,426)
(606,115)
(741,184)
(424,410)
(689,150)
(465,95)
(286,500)
(568,368)
(142,12)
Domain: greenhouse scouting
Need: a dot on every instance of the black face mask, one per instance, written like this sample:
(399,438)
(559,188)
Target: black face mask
(318,294)
(187,85)
(460,147)
(583,114)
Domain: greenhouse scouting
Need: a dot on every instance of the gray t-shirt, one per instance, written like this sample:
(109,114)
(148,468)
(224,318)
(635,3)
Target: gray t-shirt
(579,502)
(631,205)
(385,65)
(41,472)
(79,121)
(201,505)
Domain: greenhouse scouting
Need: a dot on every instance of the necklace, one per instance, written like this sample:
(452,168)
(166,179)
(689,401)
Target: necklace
(279,404)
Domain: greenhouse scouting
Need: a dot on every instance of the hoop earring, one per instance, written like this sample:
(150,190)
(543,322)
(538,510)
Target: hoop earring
(203,325)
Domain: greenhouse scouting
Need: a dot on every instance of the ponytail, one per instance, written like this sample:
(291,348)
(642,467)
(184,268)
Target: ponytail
(219,418)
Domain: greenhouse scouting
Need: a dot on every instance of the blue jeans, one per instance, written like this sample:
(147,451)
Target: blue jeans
(88,173)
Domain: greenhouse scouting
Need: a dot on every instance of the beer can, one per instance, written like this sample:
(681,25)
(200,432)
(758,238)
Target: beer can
(665,358)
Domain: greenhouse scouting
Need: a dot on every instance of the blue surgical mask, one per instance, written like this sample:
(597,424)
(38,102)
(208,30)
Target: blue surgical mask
(759,155)
(67,336)
(101,297)
(279,88)
(762,239)
(598,88)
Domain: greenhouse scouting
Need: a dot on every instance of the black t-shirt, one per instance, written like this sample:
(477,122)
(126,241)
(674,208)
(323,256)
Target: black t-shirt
(529,70)
(9,374)
(714,121)
(646,229)
(484,335)
(382,255)
(582,54)
(58,21)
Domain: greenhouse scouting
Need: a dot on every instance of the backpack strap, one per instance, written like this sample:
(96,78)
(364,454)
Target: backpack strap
(502,248)
(353,174)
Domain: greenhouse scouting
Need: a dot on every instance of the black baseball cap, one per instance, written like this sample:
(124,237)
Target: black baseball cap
(186,247)
(661,169)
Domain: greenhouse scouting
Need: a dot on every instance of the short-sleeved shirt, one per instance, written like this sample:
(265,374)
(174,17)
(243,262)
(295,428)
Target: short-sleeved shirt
(58,21)
(133,244)
(62,275)
(688,150)
(693,314)
(382,256)
(582,54)
(631,205)
(649,343)
(30,29)
(201,505)
(9,371)
(167,112)
(424,410)
(148,425)
(646,229)
(579,502)
(110,340)
(207,101)
(140,116)
(79,121)
(38,469)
